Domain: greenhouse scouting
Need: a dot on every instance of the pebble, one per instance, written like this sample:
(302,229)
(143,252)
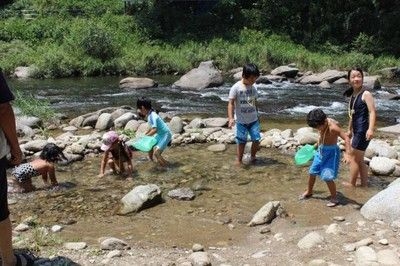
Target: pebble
(339,218)
(56,228)
(384,242)
(197,247)
(22,227)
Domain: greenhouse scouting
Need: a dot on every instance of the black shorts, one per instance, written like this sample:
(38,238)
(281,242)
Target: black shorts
(4,212)
(359,141)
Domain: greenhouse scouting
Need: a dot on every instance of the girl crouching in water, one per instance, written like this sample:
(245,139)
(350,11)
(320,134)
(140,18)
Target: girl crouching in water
(44,166)
(116,155)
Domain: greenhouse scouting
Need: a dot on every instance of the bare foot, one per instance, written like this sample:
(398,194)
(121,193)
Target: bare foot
(238,163)
(348,184)
(305,196)
(333,203)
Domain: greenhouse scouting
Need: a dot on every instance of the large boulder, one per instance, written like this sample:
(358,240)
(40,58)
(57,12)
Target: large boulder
(287,71)
(382,166)
(206,75)
(23,72)
(141,197)
(328,75)
(137,83)
(384,205)
(372,82)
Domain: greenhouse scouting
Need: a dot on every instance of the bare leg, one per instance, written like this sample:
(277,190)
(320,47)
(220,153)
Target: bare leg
(308,193)
(240,152)
(357,169)
(151,154)
(111,164)
(254,148)
(332,189)
(161,161)
(6,251)
(363,170)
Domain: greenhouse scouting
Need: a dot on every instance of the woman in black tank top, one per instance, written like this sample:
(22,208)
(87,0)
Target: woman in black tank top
(362,117)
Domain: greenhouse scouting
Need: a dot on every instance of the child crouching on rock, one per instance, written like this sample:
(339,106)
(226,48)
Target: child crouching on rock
(327,158)
(116,155)
(44,166)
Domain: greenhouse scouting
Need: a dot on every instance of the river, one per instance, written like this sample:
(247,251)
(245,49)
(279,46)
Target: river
(278,101)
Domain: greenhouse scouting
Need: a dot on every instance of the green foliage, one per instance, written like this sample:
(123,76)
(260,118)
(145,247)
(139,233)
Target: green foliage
(89,38)
(29,105)
(365,44)
(93,40)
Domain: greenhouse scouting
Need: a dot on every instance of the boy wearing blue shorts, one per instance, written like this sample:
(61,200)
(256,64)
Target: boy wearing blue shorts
(327,158)
(242,109)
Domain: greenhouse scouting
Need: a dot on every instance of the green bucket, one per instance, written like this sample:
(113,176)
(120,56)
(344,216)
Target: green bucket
(304,154)
(145,143)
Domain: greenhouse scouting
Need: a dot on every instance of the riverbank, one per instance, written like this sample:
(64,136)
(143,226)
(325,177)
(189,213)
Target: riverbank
(226,198)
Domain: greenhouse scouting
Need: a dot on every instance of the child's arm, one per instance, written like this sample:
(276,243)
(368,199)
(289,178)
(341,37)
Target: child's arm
(151,131)
(369,100)
(45,179)
(346,139)
(231,120)
(103,164)
(52,174)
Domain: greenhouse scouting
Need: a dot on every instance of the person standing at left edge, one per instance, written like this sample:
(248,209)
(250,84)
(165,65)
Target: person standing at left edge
(8,144)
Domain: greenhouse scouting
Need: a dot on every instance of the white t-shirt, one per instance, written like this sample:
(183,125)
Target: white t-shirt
(245,102)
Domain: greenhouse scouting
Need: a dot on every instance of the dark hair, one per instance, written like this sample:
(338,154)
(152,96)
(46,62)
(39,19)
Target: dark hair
(350,90)
(250,70)
(52,153)
(145,102)
(316,118)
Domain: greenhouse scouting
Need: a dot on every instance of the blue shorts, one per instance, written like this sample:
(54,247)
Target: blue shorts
(253,129)
(359,141)
(163,141)
(326,162)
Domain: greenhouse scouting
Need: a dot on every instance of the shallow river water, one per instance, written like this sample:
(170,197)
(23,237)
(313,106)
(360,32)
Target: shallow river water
(225,195)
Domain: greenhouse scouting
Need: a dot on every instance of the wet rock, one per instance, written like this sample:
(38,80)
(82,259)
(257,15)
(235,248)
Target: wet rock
(30,121)
(34,145)
(216,122)
(176,125)
(287,71)
(181,194)
(132,83)
(206,75)
(197,123)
